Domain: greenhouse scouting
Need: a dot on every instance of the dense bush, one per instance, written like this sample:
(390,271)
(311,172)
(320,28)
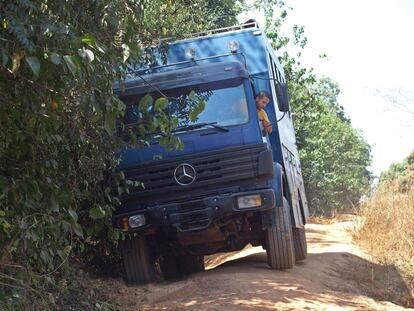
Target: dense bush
(397,170)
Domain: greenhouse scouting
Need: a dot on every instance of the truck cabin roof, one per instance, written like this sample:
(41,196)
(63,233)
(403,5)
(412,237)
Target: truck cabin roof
(197,74)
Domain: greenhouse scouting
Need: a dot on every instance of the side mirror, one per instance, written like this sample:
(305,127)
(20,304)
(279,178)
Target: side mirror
(282,97)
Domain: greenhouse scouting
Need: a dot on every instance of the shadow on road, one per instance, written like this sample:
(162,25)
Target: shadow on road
(325,280)
(332,277)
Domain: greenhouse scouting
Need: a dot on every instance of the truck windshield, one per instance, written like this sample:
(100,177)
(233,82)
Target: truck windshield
(225,103)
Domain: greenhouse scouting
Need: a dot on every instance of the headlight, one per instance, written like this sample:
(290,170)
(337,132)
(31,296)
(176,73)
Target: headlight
(234,46)
(137,221)
(249,201)
(190,53)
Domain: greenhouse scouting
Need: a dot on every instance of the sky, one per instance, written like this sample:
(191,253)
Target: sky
(370,49)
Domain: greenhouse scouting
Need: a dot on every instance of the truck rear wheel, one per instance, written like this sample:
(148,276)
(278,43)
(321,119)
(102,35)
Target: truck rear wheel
(139,268)
(301,246)
(169,267)
(188,264)
(280,247)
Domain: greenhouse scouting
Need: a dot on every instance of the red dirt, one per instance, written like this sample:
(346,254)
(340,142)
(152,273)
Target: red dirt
(337,275)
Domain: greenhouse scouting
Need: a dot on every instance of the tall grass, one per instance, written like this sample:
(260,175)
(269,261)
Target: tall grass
(386,228)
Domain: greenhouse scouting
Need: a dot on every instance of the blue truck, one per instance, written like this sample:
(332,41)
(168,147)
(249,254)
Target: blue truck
(232,184)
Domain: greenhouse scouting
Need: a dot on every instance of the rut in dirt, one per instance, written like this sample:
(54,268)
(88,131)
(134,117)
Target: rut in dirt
(337,275)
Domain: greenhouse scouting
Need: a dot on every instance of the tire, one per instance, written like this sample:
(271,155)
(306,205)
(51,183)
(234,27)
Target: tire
(188,264)
(139,268)
(169,267)
(280,247)
(299,241)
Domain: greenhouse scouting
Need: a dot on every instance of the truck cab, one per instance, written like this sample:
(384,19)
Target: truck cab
(231,184)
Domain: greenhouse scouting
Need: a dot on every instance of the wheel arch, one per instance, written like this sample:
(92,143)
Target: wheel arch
(279,184)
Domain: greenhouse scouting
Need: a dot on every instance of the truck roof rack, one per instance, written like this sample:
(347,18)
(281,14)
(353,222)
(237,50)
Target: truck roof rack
(249,24)
(153,69)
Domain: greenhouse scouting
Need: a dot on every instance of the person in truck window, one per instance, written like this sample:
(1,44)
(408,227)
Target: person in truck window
(262,99)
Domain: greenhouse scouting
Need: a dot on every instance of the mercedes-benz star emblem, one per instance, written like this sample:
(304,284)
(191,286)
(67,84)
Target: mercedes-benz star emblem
(184,174)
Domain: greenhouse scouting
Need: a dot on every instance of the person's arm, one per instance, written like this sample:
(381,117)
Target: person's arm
(266,123)
(268,126)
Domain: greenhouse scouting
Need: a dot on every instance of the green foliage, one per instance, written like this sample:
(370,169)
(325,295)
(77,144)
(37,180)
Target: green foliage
(334,162)
(397,170)
(58,61)
(334,155)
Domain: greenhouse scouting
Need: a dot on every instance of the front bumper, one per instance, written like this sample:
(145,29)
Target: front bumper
(196,214)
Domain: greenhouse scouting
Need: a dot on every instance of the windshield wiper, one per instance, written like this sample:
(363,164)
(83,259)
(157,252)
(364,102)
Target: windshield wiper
(200,125)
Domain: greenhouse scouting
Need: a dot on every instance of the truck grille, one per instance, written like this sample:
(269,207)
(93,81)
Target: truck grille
(214,170)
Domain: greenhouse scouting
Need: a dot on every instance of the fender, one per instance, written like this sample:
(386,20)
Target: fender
(277,185)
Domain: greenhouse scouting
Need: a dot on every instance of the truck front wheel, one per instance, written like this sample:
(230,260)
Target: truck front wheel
(139,268)
(280,247)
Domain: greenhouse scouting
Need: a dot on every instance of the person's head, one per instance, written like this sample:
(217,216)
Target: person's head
(262,99)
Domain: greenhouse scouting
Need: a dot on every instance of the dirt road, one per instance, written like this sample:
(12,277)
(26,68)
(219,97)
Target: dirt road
(335,276)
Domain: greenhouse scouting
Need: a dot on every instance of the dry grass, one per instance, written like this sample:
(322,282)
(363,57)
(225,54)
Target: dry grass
(386,225)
